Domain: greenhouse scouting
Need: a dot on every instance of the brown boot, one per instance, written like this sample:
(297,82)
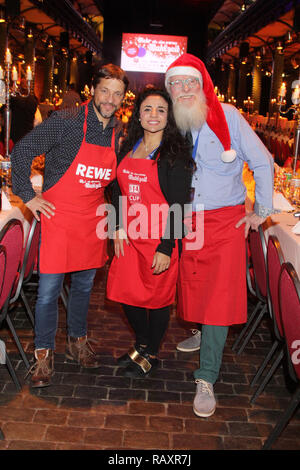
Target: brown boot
(42,369)
(81,351)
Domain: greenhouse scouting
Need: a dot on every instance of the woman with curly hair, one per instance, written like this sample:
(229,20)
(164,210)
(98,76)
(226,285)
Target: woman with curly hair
(154,173)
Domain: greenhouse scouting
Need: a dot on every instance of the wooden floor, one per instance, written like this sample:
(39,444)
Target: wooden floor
(101,409)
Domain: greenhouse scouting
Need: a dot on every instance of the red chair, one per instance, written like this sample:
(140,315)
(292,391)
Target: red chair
(290,162)
(6,358)
(275,259)
(258,252)
(11,236)
(289,301)
(249,271)
(2,272)
(28,264)
(285,151)
(272,146)
(278,151)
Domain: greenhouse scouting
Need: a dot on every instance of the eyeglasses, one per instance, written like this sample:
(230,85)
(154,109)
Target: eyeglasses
(190,82)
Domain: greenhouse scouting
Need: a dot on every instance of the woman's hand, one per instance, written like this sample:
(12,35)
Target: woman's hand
(39,204)
(118,237)
(160,263)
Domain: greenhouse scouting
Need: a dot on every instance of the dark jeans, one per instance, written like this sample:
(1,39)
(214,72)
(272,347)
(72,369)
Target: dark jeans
(46,310)
(149,326)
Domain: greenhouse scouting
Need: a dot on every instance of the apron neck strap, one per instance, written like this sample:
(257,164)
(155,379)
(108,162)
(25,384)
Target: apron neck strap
(113,140)
(86,110)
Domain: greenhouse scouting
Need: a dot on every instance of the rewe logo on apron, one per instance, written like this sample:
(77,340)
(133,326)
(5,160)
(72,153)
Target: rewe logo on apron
(69,240)
(93,173)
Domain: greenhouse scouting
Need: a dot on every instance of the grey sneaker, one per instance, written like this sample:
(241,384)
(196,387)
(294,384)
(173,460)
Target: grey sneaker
(204,402)
(190,344)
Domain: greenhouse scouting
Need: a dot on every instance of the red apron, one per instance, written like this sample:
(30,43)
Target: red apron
(212,280)
(69,240)
(130,278)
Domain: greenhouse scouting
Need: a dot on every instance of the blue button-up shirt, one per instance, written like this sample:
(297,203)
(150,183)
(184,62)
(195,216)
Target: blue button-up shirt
(217,184)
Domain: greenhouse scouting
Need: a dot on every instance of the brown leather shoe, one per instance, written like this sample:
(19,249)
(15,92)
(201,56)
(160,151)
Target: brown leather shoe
(42,369)
(81,351)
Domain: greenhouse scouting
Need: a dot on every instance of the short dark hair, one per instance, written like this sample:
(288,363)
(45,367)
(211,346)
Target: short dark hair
(110,71)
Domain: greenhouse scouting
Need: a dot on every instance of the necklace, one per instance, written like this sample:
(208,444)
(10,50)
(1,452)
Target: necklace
(148,150)
(149,155)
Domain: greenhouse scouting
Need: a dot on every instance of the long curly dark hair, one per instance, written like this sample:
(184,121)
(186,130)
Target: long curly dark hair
(173,145)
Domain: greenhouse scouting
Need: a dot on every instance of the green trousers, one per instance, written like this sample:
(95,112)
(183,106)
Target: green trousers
(213,339)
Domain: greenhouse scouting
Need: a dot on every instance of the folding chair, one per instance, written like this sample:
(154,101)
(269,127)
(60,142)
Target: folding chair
(289,301)
(27,267)
(249,271)
(6,359)
(274,261)
(11,236)
(258,252)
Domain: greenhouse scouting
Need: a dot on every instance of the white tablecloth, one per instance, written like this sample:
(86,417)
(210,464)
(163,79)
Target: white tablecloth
(18,211)
(281,225)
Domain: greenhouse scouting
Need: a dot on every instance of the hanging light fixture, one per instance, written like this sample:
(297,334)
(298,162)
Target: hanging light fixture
(289,37)
(2,16)
(294,63)
(22,23)
(279,47)
(29,33)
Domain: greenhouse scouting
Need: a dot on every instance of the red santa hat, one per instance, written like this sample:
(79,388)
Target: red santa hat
(188,64)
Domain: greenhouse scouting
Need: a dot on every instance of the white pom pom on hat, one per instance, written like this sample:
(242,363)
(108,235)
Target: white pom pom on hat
(228,156)
(188,64)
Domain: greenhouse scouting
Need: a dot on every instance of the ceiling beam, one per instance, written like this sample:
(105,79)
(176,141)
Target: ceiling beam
(100,5)
(215,8)
(65,15)
(257,16)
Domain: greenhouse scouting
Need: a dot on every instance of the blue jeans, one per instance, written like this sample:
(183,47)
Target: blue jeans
(46,310)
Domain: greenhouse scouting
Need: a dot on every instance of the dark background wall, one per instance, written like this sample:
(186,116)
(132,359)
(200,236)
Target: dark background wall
(135,16)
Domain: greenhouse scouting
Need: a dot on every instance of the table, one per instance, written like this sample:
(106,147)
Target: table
(281,225)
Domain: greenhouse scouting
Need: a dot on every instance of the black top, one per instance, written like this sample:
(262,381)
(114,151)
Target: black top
(59,137)
(175,184)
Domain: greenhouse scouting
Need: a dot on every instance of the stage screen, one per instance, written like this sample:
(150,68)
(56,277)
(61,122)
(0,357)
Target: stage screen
(150,52)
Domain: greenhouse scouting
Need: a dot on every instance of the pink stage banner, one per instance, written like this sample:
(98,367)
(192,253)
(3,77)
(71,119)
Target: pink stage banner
(150,52)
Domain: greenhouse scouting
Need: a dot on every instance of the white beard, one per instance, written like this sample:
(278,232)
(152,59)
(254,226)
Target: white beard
(192,117)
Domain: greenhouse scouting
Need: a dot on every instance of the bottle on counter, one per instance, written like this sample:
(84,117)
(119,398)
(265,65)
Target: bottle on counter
(295,192)
(6,172)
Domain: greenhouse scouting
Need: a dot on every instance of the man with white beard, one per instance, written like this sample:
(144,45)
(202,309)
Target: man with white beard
(212,280)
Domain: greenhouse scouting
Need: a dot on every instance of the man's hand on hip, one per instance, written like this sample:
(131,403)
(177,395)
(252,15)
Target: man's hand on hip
(39,204)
